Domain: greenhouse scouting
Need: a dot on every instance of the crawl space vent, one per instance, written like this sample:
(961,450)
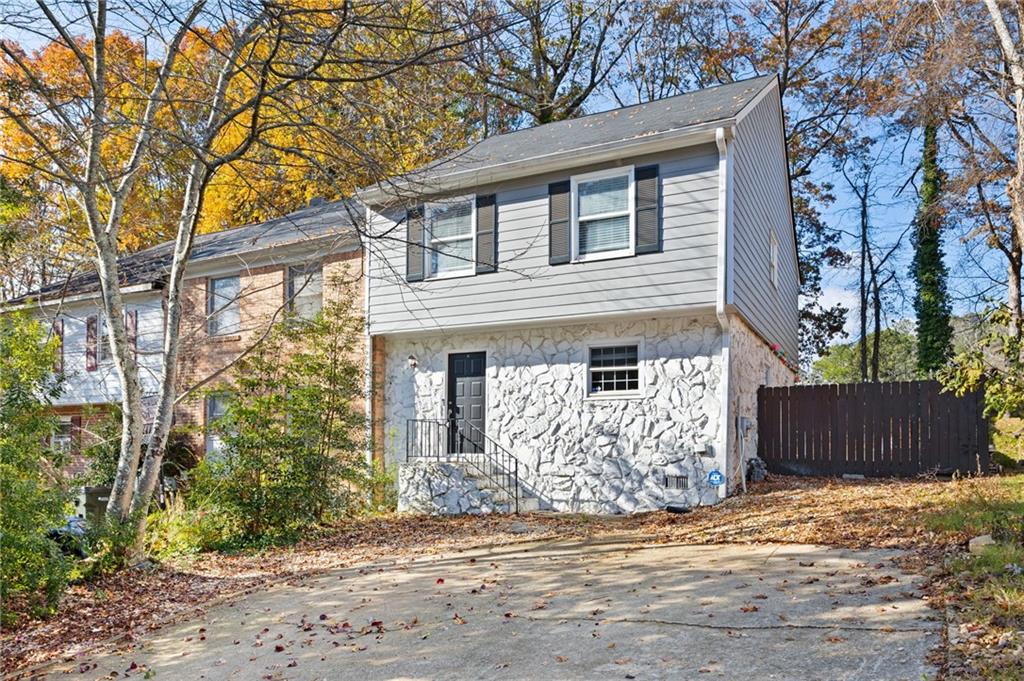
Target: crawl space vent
(677,482)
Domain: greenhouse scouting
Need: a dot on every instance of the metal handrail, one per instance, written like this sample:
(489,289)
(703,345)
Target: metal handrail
(494,462)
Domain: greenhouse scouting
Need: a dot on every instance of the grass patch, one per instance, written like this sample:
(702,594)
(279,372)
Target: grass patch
(993,505)
(1008,440)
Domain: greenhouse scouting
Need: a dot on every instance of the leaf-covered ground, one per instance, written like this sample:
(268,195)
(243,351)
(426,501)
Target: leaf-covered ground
(891,514)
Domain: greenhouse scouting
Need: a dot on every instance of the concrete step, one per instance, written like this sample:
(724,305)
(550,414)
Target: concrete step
(501,499)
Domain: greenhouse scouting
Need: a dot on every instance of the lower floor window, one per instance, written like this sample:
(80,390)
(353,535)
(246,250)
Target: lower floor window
(63,438)
(216,407)
(614,369)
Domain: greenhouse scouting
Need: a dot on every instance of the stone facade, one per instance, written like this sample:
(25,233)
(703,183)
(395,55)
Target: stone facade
(439,488)
(580,453)
(751,365)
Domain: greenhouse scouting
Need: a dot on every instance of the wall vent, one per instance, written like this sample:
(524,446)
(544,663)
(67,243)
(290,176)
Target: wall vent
(677,482)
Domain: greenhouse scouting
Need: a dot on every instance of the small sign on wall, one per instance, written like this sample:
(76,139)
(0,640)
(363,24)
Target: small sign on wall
(715,478)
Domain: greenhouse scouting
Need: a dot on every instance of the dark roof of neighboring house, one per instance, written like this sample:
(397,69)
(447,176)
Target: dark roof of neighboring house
(151,265)
(630,123)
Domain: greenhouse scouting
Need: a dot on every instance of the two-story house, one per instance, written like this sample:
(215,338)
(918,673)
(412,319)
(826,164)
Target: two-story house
(238,283)
(580,313)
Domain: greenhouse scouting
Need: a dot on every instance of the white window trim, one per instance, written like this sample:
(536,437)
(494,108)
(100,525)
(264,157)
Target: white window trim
(773,258)
(574,183)
(470,269)
(625,394)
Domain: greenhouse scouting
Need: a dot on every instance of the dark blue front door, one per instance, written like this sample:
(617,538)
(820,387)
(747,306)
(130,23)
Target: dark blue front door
(466,400)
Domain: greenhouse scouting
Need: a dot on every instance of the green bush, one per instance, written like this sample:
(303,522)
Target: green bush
(293,434)
(33,494)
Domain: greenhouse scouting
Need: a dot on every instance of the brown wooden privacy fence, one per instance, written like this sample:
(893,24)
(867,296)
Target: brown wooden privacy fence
(871,429)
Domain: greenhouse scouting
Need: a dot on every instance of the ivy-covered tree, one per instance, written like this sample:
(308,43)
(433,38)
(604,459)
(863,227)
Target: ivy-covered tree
(931,300)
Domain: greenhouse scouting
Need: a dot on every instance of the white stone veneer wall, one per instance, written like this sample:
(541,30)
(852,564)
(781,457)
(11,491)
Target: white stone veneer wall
(752,364)
(577,453)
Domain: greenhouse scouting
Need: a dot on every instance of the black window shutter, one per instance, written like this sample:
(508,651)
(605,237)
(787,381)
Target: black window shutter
(648,218)
(414,244)
(559,227)
(486,234)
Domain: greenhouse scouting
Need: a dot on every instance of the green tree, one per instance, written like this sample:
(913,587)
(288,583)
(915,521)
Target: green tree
(896,362)
(294,432)
(994,362)
(931,301)
(33,495)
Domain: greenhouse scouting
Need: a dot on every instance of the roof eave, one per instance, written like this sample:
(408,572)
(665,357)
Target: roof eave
(56,298)
(545,163)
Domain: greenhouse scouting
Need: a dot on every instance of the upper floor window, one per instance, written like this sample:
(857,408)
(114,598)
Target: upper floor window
(614,370)
(305,290)
(603,214)
(449,237)
(222,306)
(773,259)
(104,348)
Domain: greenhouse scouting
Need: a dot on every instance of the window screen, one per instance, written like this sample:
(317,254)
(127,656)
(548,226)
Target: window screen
(216,407)
(614,369)
(222,306)
(602,211)
(305,290)
(450,237)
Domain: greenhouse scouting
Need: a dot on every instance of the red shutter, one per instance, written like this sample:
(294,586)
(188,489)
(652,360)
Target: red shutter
(58,332)
(131,326)
(90,343)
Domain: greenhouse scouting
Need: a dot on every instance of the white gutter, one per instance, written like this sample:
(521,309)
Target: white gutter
(723,136)
(543,163)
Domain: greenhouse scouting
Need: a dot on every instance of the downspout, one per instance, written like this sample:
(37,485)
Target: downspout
(723,138)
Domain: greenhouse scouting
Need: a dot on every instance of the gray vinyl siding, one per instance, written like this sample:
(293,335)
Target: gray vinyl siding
(527,289)
(760,204)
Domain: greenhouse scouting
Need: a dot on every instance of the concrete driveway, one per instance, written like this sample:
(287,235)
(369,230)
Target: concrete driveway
(565,610)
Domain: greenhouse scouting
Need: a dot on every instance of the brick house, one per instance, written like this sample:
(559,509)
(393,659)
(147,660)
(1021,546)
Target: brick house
(239,282)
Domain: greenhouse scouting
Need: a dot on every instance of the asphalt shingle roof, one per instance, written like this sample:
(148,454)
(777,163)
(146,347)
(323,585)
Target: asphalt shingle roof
(152,264)
(711,104)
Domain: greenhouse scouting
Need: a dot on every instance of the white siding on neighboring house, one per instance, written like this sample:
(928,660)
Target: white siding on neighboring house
(101,386)
(761,207)
(527,289)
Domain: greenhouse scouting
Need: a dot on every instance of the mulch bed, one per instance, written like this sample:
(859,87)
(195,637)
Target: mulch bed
(803,510)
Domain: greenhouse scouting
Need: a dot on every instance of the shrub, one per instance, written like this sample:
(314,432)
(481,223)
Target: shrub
(33,494)
(293,433)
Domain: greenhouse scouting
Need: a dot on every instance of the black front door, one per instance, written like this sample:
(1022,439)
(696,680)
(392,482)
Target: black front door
(466,383)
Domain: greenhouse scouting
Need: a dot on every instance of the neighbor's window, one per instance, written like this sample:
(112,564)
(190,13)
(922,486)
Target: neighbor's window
(63,438)
(449,237)
(773,259)
(614,369)
(222,306)
(216,407)
(305,290)
(104,348)
(603,213)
